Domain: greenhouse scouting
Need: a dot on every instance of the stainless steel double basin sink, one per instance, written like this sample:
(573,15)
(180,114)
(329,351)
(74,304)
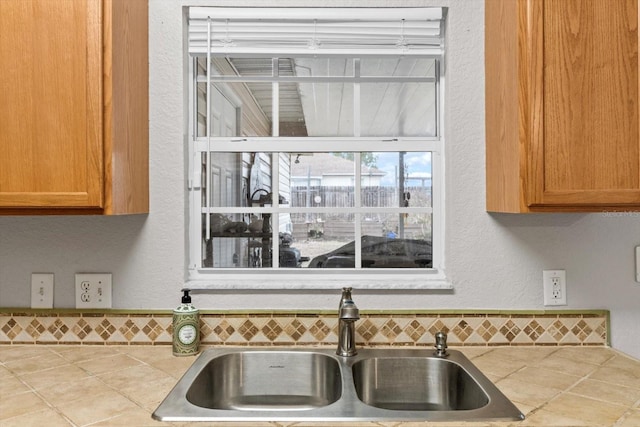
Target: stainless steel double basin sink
(317,385)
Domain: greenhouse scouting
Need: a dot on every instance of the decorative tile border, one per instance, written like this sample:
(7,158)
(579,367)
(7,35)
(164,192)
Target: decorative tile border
(289,329)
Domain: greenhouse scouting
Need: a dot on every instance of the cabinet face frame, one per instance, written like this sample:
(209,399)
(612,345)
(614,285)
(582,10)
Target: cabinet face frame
(91,189)
(544,179)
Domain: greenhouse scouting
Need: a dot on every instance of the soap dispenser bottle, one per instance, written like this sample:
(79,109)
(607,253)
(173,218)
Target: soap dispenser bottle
(186,328)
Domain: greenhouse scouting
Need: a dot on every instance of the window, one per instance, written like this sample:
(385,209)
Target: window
(316,146)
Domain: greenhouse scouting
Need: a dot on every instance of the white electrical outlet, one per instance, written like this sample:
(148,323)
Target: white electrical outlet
(42,290)
(555,287)
(93,290)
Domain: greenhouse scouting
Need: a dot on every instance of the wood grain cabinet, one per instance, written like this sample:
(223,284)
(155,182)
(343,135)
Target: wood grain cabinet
(562,105)
(74,109)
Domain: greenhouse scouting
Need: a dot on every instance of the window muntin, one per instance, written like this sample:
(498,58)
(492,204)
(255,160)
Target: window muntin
(271,129)
(322,206)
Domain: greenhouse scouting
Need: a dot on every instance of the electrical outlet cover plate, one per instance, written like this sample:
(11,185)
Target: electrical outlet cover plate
(42,290)
(555,287)
(93,290)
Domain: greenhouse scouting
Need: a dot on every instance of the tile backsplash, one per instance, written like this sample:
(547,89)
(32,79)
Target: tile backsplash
(271,328)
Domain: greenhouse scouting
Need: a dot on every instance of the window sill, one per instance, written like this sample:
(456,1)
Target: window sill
(284,281)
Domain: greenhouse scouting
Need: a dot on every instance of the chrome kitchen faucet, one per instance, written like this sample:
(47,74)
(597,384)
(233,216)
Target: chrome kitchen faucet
(348,313)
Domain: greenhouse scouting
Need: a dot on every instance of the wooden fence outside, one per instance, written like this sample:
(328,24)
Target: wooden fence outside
(339,226)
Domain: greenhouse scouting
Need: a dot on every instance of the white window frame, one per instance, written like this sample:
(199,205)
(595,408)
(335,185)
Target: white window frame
(302,278)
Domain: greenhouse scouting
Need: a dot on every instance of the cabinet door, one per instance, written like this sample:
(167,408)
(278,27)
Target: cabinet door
(584,123)
(50,107)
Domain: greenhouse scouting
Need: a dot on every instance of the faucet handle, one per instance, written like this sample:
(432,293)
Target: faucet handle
(441,344)
(346,296)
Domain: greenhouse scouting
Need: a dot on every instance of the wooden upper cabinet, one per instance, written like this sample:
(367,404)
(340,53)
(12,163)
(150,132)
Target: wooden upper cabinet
(562,118)
(74,108)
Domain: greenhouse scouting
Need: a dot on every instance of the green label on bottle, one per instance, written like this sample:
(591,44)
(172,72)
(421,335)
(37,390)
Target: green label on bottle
(186,334)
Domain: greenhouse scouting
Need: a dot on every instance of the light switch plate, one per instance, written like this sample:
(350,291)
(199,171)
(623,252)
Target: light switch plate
(42,290)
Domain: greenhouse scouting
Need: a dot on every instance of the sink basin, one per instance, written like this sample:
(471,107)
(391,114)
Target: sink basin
(251,384)
(417,384)
(267,381)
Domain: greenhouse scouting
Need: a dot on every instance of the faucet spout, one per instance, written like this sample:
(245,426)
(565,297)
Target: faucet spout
(348,313)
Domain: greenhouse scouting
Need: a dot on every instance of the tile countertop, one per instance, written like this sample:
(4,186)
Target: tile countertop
(122,385)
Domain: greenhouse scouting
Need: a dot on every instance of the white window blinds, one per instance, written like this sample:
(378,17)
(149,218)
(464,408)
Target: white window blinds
(316,31)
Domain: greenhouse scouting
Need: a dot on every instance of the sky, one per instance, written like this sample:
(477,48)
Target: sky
(416,164)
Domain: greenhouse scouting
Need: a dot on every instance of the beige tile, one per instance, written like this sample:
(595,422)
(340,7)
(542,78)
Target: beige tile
(624,363)
(111,363)
(134,376)
(526,409)
(73,390)
(4,372)
(174,366)
(148,354)
(493,378)
(524,392)
(616,376)
(149,394)
(545,378)
(586,409)
(11,386)
(554,362)
(77,353)
(472,352)
(594,355)
(21,352)
(134,417)
(498,364)
(526,354)
(143,375)
(97,408)
(20,404)
(47,417)
(544,418)
(630,419)
(608,392)
(54,377)
(45,360)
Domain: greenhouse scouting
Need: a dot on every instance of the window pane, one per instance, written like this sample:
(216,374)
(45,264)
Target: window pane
(247,67)
(201,110)
(291,115)
(200,66)
(236,241)
(396,179)
(397,67)
(382,247)
(321,180)
(224,111)
(257,108)
(328,108)
(398,109)
(237,179)
(321,67)
(325,242)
